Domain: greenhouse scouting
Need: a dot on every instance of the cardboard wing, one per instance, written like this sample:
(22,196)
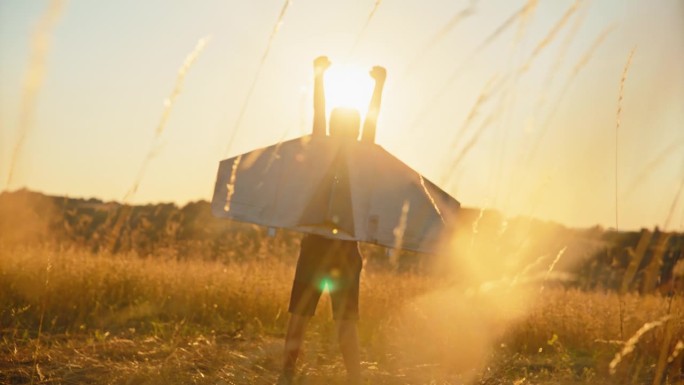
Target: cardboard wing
(394,206)
(340,189)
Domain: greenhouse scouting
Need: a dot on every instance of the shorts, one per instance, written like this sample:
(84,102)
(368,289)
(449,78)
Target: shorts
(327,264)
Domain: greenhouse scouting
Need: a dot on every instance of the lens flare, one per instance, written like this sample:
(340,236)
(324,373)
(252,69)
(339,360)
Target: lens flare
(327,284)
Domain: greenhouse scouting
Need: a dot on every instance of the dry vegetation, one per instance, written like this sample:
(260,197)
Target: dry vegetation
(94,292)
(71,316)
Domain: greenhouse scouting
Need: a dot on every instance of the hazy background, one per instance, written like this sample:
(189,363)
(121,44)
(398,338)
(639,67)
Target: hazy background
(110,65)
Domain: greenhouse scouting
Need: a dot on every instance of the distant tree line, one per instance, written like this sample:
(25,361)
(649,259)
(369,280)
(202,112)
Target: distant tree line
(643,261)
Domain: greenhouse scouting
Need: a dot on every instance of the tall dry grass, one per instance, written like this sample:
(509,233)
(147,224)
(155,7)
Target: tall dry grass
(262,61)
(459,70)
(618,121)
(417,325)
(553,109)
(551,34)
(169,103)
(91,292)
(438,36)
(41,41)
(363,30)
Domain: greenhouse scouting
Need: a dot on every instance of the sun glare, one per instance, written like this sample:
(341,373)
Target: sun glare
(348,86)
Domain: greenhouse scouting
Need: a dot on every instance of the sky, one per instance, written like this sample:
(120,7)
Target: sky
(543,140)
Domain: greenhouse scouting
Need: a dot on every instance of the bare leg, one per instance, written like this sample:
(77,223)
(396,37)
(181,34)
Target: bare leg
(349,346)
(293,344)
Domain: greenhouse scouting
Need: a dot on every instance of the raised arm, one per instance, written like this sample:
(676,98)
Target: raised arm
(320,65)
(379,74)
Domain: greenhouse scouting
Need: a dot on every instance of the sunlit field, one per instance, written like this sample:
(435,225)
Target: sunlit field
(555,124)
(75,317)
(74,312)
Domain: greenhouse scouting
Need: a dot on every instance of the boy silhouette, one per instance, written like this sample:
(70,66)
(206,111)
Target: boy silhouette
(325,262)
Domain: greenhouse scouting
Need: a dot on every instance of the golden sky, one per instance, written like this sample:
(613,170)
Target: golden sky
(541,140)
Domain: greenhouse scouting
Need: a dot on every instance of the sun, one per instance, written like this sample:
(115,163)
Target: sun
(348,86)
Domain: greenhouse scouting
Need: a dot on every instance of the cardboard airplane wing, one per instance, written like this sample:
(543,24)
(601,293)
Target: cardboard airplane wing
(339,189)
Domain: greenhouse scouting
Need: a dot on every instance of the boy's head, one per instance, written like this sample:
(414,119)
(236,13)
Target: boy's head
(345,122)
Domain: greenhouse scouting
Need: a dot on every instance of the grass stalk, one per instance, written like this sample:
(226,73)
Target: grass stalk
(41,41)
(274,32)
(618,120)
